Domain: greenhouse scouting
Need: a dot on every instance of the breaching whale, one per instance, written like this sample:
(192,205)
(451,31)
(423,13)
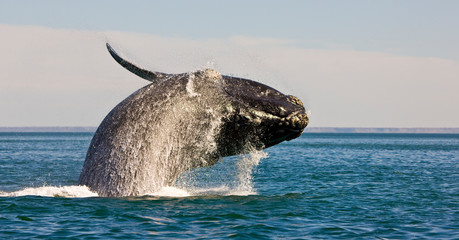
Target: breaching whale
(184,121)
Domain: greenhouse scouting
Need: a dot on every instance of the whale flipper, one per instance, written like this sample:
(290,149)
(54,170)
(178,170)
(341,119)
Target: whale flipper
(145,74)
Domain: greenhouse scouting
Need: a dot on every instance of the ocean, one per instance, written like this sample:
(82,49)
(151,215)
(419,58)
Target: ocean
(318,186)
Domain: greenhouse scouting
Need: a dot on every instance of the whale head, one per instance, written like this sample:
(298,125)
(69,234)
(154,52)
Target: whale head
(260,116)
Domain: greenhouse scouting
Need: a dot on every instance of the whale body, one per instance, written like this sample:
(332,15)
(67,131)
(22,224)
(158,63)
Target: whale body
(180,122)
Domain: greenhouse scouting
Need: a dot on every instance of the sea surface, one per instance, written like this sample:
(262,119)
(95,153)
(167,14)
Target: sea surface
(319,186)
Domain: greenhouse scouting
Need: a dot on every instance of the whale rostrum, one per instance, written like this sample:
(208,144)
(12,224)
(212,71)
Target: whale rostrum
(183,121)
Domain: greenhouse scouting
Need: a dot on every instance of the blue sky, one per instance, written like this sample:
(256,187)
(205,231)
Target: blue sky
(415,28)
(354,63)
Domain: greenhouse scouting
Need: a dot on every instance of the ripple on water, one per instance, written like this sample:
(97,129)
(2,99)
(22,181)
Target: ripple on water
(315,187)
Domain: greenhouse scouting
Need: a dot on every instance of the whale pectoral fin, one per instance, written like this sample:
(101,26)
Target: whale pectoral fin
(145,74)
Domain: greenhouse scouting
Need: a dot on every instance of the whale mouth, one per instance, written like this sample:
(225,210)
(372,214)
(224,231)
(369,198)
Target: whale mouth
(269,128)
(288,128)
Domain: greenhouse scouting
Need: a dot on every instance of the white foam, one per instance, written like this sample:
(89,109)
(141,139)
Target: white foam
(170,192)
(222,191)
(84,192)
(51,191)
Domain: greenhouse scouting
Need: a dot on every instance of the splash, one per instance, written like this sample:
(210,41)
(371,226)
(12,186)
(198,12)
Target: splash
(232,176)
(171,192)
(245,168)
(190,86)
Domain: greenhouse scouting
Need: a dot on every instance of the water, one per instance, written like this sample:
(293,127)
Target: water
(319,186)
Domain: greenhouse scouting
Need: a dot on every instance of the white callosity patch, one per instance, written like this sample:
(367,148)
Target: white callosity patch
(212,74)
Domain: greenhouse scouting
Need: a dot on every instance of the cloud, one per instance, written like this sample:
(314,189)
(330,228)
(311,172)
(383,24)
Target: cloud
(52,77)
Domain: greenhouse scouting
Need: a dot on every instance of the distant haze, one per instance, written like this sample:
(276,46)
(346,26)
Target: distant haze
(57,76)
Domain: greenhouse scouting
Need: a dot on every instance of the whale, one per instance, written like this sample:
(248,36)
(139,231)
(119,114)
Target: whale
(183,121)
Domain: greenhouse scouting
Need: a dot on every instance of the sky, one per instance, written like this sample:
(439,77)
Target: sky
(353,63)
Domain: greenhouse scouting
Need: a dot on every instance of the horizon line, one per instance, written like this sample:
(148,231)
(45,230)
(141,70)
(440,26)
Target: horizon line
(451,130)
